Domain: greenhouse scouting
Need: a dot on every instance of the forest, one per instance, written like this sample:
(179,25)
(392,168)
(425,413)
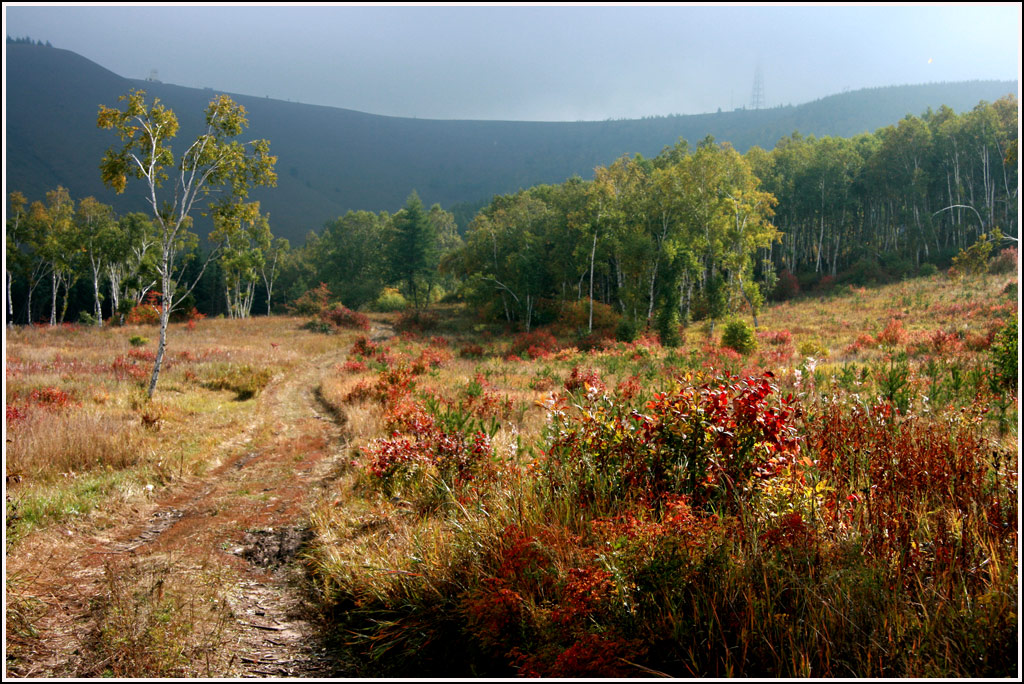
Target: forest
(694,233)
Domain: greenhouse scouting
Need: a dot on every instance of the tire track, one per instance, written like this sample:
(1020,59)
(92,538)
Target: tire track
(247,517)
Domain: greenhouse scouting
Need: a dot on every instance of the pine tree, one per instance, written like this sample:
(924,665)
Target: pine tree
(414,250)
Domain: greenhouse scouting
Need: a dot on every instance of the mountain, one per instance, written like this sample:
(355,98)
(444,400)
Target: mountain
(331,160)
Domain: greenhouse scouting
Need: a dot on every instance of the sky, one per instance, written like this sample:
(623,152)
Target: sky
(535,62)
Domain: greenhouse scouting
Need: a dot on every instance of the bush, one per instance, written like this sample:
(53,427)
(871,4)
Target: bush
(318,326)
(574,316)
(1003,355)
(390,300)
(138,341)
(894,335)
(974,259)
(812,347)
(1006,262)
(738,335)
(535,343)
(147,313)
(825,285)
(896,267)
(708,442)
(343,317)
(927,270)
(627,330)
(865,271)
(312,302)
(416,321)
(245,381)
(787,286)
(471,351)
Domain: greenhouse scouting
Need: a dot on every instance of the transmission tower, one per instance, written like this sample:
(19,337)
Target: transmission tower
(757,97)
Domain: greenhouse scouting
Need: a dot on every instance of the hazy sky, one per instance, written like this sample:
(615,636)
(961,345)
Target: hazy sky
(549,63)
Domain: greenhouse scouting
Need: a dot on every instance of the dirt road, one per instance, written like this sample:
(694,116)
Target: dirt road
(214,562)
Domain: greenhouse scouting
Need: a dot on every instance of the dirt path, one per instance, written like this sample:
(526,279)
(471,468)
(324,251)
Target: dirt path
(231,538)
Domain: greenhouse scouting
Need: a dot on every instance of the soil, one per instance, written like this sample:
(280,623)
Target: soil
(245,520)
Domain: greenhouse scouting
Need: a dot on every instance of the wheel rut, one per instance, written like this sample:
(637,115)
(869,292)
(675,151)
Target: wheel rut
(245,520)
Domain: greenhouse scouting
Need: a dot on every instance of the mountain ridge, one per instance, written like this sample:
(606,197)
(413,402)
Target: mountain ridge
(331,160)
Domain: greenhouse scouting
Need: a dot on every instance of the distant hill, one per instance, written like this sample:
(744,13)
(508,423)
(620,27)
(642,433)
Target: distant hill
(331,160)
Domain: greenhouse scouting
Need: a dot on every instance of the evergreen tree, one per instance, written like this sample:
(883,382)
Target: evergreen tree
(414,250)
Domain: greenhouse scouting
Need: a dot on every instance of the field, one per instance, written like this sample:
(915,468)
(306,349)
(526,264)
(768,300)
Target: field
(834,494)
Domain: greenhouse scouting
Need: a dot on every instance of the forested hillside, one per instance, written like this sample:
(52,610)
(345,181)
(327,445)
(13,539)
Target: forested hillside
(335,160)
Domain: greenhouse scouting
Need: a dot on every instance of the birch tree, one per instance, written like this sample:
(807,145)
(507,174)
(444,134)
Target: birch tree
(216,167)
(14,236)
(96,230)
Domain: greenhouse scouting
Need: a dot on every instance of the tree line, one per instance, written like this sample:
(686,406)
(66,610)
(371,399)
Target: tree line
(64,254)
(691,234)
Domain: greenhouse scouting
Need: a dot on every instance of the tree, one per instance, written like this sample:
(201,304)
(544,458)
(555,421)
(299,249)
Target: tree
(30,238)
(58,246)
(97,233)
(14,236)
(243,237)
(448,239)
(131,269)
(215,162)
(351,256)
(414,249)
(268,269)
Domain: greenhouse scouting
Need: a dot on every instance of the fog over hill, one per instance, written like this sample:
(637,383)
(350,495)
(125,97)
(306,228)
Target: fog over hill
(332,160)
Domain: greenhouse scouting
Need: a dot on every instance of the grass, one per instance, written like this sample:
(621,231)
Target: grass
(83,431)
(515,506)
(87,450)
(160,618)
(535,560)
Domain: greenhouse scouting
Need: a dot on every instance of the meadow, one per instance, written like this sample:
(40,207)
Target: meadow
(832,494)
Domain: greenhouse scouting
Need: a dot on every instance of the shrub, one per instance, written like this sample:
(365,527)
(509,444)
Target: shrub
(777,338)
(245,381)
(787,286)
(739,336)
(124,368)
(865,271)
(927,270)
(363,346)
(343,317)
(539,341)
(974,259)
(471,351)
(312,302)
(1006,262)
(894,335)
(416,321)
(147,313)
(812,347)
(705,442)
(1003,356)
(583,378)
(627,330)
(318,326)
(825,285)
(138,341)
(390,300)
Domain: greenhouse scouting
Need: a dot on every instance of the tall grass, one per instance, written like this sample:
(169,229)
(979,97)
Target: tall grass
(649,514)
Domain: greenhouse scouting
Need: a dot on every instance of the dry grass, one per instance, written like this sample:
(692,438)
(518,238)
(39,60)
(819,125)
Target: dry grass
(48,447)
(89,456)
(160,618)
(102,437)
